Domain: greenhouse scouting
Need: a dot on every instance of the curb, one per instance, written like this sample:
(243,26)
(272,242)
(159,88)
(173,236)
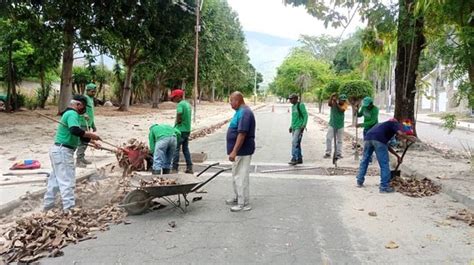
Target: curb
(11,205)
(464,199)
(440,124)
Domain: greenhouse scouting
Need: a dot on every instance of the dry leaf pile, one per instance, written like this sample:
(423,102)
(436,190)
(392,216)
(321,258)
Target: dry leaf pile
(132,155)
(464,215)
(415,188)
(45,234)
(206,131)
(157,181)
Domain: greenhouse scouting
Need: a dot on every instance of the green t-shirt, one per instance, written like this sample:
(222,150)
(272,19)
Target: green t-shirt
(336,118)
(159,131)
(90,113)
(298,118)
(371,116)
(69,119)
(184,108)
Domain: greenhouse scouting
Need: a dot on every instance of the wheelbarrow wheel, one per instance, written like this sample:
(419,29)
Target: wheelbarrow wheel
(136,202)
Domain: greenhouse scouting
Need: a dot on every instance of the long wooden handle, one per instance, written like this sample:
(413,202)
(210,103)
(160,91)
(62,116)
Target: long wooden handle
(57,121)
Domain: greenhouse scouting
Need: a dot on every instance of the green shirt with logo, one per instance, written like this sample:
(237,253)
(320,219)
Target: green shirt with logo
(336,118)
(184,108)
(90,123)
(299,116)
(159,131)
(69,119)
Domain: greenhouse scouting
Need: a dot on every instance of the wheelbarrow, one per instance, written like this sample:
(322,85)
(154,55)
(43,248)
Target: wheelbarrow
(139,200)
(396,173)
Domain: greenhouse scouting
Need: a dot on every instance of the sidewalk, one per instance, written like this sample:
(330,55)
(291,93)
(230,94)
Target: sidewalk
(425,118)
(452,173)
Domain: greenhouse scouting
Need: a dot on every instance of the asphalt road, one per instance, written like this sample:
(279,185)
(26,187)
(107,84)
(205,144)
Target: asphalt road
(296,219)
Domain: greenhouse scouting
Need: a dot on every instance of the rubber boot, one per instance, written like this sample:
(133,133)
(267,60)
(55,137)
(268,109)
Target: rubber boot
(166,171)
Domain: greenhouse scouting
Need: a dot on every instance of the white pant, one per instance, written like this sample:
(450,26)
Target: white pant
(330,140)
(62,178)
(240,178)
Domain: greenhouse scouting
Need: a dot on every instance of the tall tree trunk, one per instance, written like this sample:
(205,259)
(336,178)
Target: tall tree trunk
(65,92)
(11,98)
(126,90)
(213,95)
(410,43)
(156,93)
(44,90)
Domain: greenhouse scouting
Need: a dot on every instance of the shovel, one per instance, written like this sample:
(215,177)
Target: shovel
(396,173)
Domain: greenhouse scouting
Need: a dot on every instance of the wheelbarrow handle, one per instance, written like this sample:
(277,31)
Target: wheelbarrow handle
(403,154)
(211,178)
(208,167)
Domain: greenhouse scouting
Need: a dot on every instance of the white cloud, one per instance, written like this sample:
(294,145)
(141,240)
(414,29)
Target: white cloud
(274,18)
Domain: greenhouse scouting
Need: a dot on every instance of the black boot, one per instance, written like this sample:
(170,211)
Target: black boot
(299,161)
(166,171)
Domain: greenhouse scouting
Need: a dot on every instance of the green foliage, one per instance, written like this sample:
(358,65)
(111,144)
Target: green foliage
(356,90)
(449,122)
(332,87)
(349,54)
(321,47)
(299,70)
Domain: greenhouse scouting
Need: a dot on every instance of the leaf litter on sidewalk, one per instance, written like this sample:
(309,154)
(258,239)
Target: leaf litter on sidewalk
(413,187)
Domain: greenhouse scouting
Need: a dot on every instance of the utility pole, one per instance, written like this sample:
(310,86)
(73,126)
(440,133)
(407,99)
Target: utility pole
(196,58)
(255,89)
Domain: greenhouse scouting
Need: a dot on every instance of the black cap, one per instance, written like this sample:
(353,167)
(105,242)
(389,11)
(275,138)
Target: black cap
(80,98)
(292,96)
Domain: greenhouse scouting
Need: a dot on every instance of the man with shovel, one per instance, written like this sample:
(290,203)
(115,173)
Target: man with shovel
(87,124)
(376,140)
(68,137)
(336,124)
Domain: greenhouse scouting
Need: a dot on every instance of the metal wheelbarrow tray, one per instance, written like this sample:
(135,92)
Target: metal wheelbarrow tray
(139,200)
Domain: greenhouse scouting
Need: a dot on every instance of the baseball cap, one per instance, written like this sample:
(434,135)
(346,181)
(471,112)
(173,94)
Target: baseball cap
(366,101)
(90,86)
(342,97)
(177,93)
(292,96)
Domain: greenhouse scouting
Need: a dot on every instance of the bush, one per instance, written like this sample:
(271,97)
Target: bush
(31,103)
(332,87)
(449,122)
(356,90)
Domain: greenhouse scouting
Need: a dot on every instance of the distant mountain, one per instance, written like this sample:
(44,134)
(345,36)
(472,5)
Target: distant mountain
(267,52)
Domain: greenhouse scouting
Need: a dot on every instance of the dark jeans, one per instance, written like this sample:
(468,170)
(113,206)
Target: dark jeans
(381,151)
(184,142)
(296,145)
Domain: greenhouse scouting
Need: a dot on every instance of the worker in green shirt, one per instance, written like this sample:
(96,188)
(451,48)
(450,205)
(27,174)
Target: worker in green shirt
(299,119)
(68,136)
(370,113)
(183,124)
(87,124)
(336,124)
(163,141)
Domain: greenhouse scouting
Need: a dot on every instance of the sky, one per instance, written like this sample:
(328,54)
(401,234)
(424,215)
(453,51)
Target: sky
(273,18)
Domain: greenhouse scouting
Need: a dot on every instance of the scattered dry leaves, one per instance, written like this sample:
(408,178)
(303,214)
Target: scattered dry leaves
(415,188)
(465,216)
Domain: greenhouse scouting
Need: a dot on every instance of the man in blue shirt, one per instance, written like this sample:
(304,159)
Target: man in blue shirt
(376,140)
(240,148)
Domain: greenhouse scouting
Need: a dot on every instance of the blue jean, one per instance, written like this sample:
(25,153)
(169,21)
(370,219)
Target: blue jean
(381,151)
(184,143)
(296,154)
(164,152)
(62,177)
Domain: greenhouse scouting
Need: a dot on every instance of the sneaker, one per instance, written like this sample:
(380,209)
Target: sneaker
(189,171)
(293,162)
(387,190)
(339,157)
(299,161)
(360,184)
(238,208)
(231,201)
(327,155)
